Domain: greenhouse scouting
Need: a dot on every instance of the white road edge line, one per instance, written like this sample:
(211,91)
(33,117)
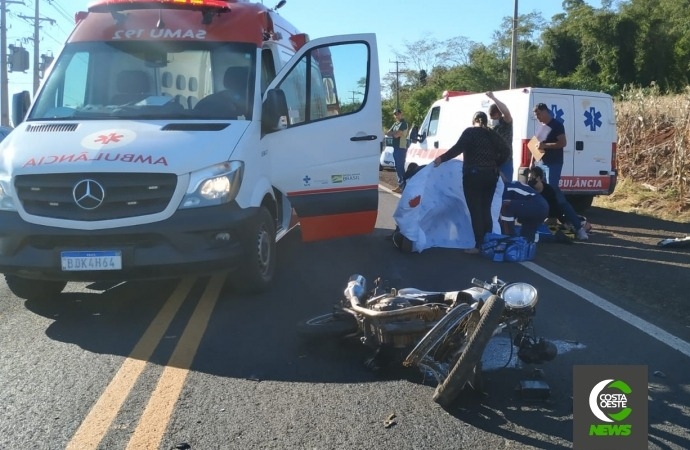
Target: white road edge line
(652,330)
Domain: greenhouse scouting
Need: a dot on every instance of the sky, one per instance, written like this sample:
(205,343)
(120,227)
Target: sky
(395,22)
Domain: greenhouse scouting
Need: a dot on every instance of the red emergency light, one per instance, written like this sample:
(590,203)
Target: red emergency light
(117,5)
(448,94)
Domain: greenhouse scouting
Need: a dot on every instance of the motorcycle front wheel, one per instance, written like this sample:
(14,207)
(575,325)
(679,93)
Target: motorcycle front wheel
(490,316)
(331,325)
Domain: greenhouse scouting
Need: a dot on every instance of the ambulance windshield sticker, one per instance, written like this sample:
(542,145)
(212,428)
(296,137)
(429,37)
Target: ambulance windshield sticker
(593,119)
(108,139)
(160,33)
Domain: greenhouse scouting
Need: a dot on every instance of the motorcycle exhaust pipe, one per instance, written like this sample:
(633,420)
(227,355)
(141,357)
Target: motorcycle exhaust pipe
(356,289)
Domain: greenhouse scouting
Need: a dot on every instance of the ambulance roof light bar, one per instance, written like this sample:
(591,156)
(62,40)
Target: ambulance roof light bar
(448,94)
(119,5)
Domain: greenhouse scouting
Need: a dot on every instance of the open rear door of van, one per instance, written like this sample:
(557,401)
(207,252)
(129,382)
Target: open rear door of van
(326,159)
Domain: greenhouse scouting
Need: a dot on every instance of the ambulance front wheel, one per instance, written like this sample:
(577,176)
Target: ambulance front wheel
(259,241)
(34,289)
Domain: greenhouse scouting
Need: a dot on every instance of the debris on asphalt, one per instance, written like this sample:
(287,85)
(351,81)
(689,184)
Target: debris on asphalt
(390,421)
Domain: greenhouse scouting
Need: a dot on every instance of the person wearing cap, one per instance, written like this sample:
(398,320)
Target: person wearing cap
(399,134)
(501,122)
(483,153)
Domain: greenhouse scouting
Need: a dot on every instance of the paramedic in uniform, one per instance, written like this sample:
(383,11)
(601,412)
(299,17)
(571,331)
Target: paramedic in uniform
(501,122)
(484,151)
(399,134)
(523,203)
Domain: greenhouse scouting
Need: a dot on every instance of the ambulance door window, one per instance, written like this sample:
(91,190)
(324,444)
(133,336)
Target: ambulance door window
(311,88)
(268,69)
(433,121)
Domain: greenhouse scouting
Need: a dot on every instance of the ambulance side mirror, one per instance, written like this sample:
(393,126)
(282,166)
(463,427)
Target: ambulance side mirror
(21,103)
(274,111)
(414,134)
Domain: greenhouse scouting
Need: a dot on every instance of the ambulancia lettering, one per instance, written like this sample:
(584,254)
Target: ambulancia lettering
(163,33)
(110,157)
(580,183)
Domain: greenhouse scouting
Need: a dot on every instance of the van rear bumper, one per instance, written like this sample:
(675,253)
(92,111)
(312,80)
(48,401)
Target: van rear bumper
(192,241)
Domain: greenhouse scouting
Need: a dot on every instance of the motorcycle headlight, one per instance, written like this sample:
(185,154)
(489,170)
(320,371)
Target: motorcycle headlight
(520,295)
(214,185)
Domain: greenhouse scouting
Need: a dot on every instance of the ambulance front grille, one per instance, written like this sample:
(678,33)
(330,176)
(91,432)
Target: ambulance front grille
(95,196)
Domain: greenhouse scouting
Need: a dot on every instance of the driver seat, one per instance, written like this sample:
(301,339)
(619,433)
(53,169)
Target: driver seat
(232,101)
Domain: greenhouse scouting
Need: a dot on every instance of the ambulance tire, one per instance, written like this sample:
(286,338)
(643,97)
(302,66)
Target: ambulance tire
(259,241)
(464,370)
(580,203)
(34,289)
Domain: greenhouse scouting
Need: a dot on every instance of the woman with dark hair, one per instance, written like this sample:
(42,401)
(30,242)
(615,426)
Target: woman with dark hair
(483,153)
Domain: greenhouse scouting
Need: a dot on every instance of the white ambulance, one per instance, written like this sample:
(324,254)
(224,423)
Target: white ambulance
(186,136)
(589,164)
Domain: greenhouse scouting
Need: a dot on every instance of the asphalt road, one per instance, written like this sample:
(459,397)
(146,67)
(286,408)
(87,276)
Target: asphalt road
(162,364)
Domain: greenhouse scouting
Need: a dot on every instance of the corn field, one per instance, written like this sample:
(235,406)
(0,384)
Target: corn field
(654,141)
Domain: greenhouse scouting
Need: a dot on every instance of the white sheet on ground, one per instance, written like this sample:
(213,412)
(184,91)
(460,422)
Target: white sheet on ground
(441,218)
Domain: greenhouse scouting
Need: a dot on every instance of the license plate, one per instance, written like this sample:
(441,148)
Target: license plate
(98,260)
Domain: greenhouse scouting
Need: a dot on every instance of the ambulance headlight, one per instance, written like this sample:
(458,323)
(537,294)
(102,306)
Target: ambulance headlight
(6,201)
(214,185)
(520,296)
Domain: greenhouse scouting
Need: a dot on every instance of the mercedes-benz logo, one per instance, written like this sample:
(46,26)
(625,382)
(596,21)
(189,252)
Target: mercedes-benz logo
(88,194)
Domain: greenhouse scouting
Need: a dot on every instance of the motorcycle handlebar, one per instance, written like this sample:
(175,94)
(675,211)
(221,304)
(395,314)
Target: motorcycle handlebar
(481,283)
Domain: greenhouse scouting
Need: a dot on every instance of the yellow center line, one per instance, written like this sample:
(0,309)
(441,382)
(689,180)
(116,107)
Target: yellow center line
(154,421)
(96,424)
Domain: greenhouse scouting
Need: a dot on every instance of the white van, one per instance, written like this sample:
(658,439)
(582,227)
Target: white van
(589,165)
(180,137)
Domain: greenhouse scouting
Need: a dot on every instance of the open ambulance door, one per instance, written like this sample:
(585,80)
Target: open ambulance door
(324,152)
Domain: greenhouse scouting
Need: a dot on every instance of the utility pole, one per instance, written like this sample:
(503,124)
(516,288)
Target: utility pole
(397,82)
(4,105)
(353,95)
(513,50)
(37,19)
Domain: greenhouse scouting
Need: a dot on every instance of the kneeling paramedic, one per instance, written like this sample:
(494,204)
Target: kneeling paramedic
(523,203)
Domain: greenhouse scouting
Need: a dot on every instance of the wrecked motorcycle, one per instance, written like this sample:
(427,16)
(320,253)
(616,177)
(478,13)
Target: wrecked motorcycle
(446,331)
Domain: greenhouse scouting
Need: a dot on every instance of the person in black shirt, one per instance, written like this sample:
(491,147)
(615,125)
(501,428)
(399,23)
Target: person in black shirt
(552,161)
(559,207)
(483,153)
(501,122)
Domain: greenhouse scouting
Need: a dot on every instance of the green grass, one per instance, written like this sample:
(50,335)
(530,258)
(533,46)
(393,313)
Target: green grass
(644,199)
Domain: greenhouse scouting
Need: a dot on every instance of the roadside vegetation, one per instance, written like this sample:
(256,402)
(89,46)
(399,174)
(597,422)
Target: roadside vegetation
(653,157)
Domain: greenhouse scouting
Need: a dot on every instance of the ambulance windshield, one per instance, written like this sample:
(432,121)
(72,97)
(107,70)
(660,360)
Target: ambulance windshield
(150,80)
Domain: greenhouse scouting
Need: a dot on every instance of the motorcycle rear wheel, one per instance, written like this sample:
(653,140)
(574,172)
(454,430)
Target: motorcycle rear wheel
(331,325)
(490,316)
